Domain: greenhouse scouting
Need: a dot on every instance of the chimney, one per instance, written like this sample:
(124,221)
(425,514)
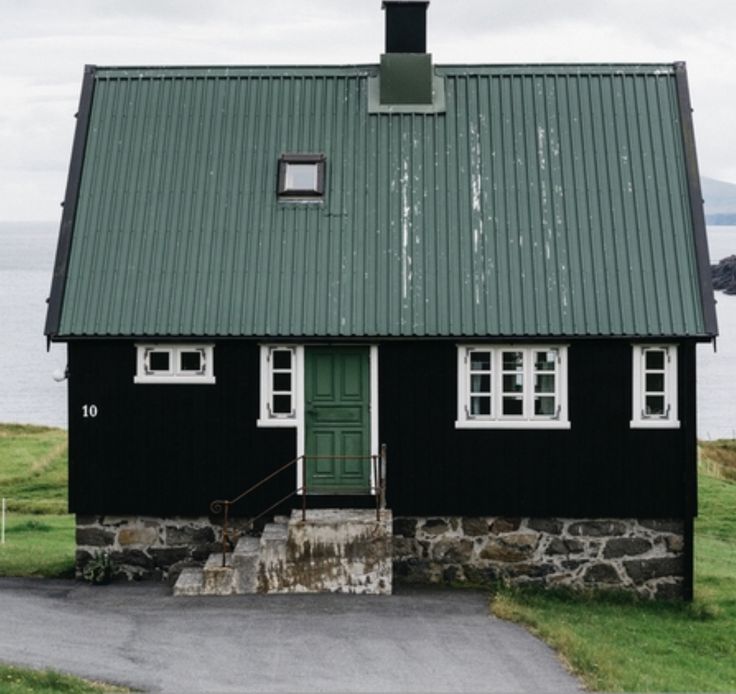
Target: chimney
(406,26)
(406,67)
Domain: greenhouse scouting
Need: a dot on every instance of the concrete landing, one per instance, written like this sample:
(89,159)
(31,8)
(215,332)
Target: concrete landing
(333,551)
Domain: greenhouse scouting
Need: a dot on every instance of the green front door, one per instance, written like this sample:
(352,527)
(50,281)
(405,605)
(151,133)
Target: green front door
(337,418)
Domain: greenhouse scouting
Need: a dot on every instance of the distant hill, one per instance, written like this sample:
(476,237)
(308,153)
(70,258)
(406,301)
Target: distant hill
(720,201)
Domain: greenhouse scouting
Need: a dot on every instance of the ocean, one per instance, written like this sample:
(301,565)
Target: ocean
(28,393)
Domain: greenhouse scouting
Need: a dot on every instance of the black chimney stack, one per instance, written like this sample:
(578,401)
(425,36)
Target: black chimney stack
(406,75)
(406,26)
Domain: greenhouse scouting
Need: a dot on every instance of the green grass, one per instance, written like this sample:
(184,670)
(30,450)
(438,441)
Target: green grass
(620,643)
(39,535)
(14,680)
(33,468)
(38,546)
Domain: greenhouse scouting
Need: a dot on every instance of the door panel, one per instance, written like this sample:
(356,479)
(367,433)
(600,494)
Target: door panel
(337,419)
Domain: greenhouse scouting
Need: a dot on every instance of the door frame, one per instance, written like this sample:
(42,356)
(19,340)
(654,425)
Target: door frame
(372,408)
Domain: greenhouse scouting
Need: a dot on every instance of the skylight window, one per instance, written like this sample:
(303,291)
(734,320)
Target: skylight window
(302,176)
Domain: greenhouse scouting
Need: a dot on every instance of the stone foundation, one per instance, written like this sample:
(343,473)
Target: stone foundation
(646,556)
(146,547)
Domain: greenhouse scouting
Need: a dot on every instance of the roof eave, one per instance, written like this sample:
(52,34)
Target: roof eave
(74,178)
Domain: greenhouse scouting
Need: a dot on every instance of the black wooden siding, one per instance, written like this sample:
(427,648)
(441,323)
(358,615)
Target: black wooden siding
(171,449)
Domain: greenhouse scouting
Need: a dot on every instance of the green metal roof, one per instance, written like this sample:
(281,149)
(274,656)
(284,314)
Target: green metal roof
(545,201)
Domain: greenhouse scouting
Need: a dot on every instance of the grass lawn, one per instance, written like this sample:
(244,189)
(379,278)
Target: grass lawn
(39,535)
(622,644)
(14,680)
(33,468)
(38,545)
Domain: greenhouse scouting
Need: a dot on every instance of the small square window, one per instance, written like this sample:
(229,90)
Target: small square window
(302,176)
(172,363)
(191,360)
(158,361)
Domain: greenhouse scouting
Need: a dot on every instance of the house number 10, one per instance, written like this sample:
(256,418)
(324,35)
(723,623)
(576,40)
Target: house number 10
(89,410)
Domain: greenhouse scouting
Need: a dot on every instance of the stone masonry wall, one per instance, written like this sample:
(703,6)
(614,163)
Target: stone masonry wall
(147,547)
(641,555)
(637,554)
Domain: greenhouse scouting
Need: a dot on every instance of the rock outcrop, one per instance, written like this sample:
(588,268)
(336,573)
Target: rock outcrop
(724,275)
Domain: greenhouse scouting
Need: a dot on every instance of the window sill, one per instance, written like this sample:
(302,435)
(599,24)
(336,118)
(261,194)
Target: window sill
(181,380)
(511,424)
(286,422)
(654,424)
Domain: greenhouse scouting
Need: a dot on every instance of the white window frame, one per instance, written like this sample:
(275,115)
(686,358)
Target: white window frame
(639,418)
(527,420)
(175,374)
(267,417)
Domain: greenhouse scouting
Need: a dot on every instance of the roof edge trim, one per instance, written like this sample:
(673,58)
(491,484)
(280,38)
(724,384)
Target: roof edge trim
(702,257)
(74,179)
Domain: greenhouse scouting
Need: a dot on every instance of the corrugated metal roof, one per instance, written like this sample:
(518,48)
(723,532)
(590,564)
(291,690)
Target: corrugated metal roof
(546,200)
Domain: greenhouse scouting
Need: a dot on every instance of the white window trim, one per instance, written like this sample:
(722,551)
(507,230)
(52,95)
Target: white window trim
(266,417)
(174,374)
(638,419)
(464,421)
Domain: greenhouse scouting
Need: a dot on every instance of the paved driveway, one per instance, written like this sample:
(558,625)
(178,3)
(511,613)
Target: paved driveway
(139,635)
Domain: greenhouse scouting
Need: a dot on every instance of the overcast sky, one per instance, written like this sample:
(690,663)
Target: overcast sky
(44,45)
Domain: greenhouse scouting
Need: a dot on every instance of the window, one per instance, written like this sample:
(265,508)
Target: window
(166,363)
(654,387)
(302,176)
(512,386)
(279,385)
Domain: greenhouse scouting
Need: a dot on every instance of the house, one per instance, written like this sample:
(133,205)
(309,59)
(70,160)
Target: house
(499,272)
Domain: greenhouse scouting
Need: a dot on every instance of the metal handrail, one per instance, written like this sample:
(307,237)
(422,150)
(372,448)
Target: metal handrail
(378,489)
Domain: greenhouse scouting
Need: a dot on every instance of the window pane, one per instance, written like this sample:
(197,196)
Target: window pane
(281,359)
(480,405)
(480,384)
(513,361)
(654,405)
(544,406)
(282,404)
(513,406)
(545,361)
(158,361)
(655,383)
(282,382)
(513,383)
(544,383)
(301,177)
(480,361)
(190,361)
(654,359)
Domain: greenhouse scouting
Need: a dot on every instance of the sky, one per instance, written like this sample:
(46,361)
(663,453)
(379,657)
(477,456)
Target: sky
(44,45)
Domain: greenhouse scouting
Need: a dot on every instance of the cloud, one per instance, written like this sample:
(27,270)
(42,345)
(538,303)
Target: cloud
(45,43)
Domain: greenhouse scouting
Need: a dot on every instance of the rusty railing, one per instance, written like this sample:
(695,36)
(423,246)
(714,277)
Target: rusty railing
(377,489)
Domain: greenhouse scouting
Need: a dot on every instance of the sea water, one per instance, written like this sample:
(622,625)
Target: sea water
(29,394)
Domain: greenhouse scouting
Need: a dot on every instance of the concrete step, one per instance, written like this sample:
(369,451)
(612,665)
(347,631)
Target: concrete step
(245,560)
(334,550)
(189,582)
(216,578)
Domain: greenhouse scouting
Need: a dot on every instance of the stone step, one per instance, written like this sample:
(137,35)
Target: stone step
(334,550)
(245,562)
(216,578)
(189,582)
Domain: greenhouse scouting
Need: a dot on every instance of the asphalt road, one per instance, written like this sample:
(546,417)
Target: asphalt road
(139,635)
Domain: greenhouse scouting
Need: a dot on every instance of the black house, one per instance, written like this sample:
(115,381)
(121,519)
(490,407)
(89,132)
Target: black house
(498,272)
